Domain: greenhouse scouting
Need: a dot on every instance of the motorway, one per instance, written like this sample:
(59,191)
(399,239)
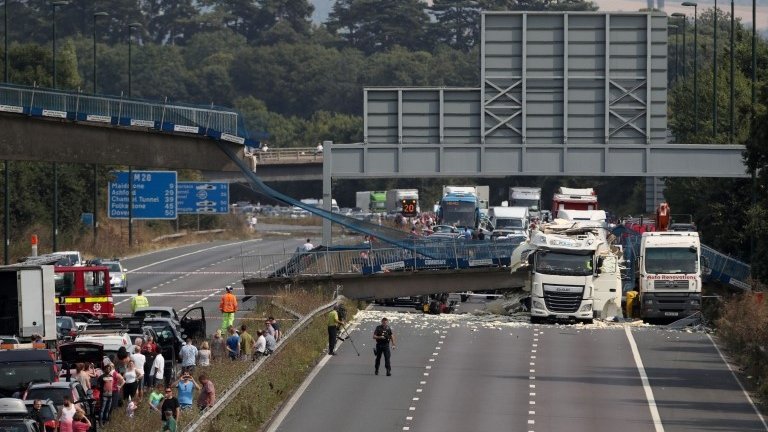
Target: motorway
(196,275)
(489,373)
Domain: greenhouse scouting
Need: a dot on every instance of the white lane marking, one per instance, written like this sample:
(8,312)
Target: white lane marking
(415,398)
(191,253)
(406,428)
(531,412)
(409,418)
(531,377)
(418,390)
(658,426)
(743,390)
(532,385)
(411,408)
(531,421)
(532,370)
(428,367)
(532,402)
(422,382)
(426,373)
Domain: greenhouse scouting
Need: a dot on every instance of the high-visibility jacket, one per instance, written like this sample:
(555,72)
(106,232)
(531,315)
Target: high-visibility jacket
(137,302)
(228,303)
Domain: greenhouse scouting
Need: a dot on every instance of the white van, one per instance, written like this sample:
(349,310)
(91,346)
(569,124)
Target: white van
(509,221)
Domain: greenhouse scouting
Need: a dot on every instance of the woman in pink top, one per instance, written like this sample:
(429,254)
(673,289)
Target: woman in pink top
(80,423)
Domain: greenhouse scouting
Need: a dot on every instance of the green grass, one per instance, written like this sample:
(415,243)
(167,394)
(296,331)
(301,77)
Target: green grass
(224,373)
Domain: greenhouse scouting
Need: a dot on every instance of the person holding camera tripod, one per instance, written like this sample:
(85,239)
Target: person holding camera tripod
(383,334)
(333,327)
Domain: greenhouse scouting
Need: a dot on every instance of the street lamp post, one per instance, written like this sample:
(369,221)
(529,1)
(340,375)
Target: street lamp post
(95,166)
(131,26)
(685,45)
(695,65)
(714,78)
(6,62)
(55,227)
(95,15)
(732,103)
(130,168)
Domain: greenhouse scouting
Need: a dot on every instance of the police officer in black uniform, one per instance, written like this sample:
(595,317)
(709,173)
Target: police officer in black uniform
(383,335)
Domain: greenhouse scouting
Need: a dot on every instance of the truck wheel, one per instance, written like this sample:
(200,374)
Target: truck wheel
(464,298)
(587,321)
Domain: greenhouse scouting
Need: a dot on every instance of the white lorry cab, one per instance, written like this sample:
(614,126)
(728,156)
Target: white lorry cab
(575,274)
(509,221)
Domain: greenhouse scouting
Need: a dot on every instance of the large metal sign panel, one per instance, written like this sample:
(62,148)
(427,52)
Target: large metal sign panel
(154,195)
(546,78)
(203,197)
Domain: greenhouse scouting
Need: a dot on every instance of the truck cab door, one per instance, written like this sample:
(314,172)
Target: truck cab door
(193,323)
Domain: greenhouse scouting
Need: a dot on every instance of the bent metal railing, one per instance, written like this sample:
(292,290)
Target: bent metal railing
(214,122)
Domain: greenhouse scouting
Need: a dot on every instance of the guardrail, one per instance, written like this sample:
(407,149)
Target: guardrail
(118,111)
(282,155)
(230,393)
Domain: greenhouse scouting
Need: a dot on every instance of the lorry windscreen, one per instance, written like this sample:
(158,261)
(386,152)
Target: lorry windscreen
(558,263)
(663,260)
(531,204)
(461,213)
(509,223)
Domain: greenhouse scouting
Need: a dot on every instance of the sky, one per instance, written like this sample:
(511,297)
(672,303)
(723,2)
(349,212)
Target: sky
(743,8)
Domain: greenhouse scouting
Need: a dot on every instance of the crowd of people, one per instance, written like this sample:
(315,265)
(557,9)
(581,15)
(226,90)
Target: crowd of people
(138,374)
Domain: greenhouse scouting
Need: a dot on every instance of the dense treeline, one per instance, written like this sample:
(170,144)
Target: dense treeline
(302,83)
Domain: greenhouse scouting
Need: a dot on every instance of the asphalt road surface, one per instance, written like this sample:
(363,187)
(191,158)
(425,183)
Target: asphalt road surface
(467,373)
(194,276)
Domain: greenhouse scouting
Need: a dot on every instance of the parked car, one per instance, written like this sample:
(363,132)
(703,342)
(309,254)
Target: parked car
(55,391)
(20,367)
(48,411)
(191,324)
(117,274)
(66,328)
(13,417)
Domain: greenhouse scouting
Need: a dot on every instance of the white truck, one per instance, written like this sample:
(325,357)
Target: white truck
(27,294)
(529,197)
(363,200)
(669,274)
(574,273)
(509,221)
(404,201)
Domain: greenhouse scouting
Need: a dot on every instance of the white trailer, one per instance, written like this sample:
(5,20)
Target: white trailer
(27,294)
(529,197)
(363,200)
(405,201)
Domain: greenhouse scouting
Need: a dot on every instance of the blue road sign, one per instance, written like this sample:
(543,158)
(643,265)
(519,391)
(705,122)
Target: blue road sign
(203,197)
(154,195)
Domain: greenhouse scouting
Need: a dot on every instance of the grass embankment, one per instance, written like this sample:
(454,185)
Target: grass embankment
(743,329)
(224,373)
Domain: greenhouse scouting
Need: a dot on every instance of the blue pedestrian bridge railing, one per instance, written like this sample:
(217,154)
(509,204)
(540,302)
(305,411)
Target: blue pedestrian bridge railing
(213,122)
(365,260)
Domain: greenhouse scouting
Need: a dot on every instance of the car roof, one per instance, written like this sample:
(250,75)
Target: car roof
(12,406)
(21,355)
(55,385)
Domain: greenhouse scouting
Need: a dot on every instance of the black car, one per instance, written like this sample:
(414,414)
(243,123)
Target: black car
(19,368)
(66,328)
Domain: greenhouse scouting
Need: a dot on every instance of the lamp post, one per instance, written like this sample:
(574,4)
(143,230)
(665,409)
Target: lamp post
(55,227)
(732,103)
(695,65)
(95,166)
(685,45)
(714,78)
(674,27)
(131,26)
(752,242)
(54,5)
(6,63)
(95,16)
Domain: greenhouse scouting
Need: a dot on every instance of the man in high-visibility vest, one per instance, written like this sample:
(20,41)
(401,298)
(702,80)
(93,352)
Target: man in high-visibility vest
(228,307)
(139,301)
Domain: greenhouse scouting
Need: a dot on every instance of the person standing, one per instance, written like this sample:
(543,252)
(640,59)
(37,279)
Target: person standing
(186,385)
(218,347)
(276,326)
(207,396)
(233,344)
(261,344)
(333,324)
(246,343)
(188,355)
(228,307)
(138,301)
(383,335)
(139,360)
(170,407)
(205,354)
(271,344)
(37,414)
(158,368)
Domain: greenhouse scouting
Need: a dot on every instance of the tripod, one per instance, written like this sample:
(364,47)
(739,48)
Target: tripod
(348,337)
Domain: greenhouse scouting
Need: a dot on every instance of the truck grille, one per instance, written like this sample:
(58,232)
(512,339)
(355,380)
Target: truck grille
(563,298)
(670,284)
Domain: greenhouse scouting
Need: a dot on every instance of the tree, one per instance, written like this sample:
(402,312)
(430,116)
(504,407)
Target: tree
(376,26)
(457,23)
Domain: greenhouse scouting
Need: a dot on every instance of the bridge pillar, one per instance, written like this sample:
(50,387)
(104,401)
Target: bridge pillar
(327,200)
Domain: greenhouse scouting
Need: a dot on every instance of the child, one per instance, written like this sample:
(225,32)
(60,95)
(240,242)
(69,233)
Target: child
(170,422)
(130,408)
(156,397)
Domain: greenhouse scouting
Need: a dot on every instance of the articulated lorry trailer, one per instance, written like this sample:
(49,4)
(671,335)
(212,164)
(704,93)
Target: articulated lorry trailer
(669,275)
(372,201)
(574,199)
(27,301)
